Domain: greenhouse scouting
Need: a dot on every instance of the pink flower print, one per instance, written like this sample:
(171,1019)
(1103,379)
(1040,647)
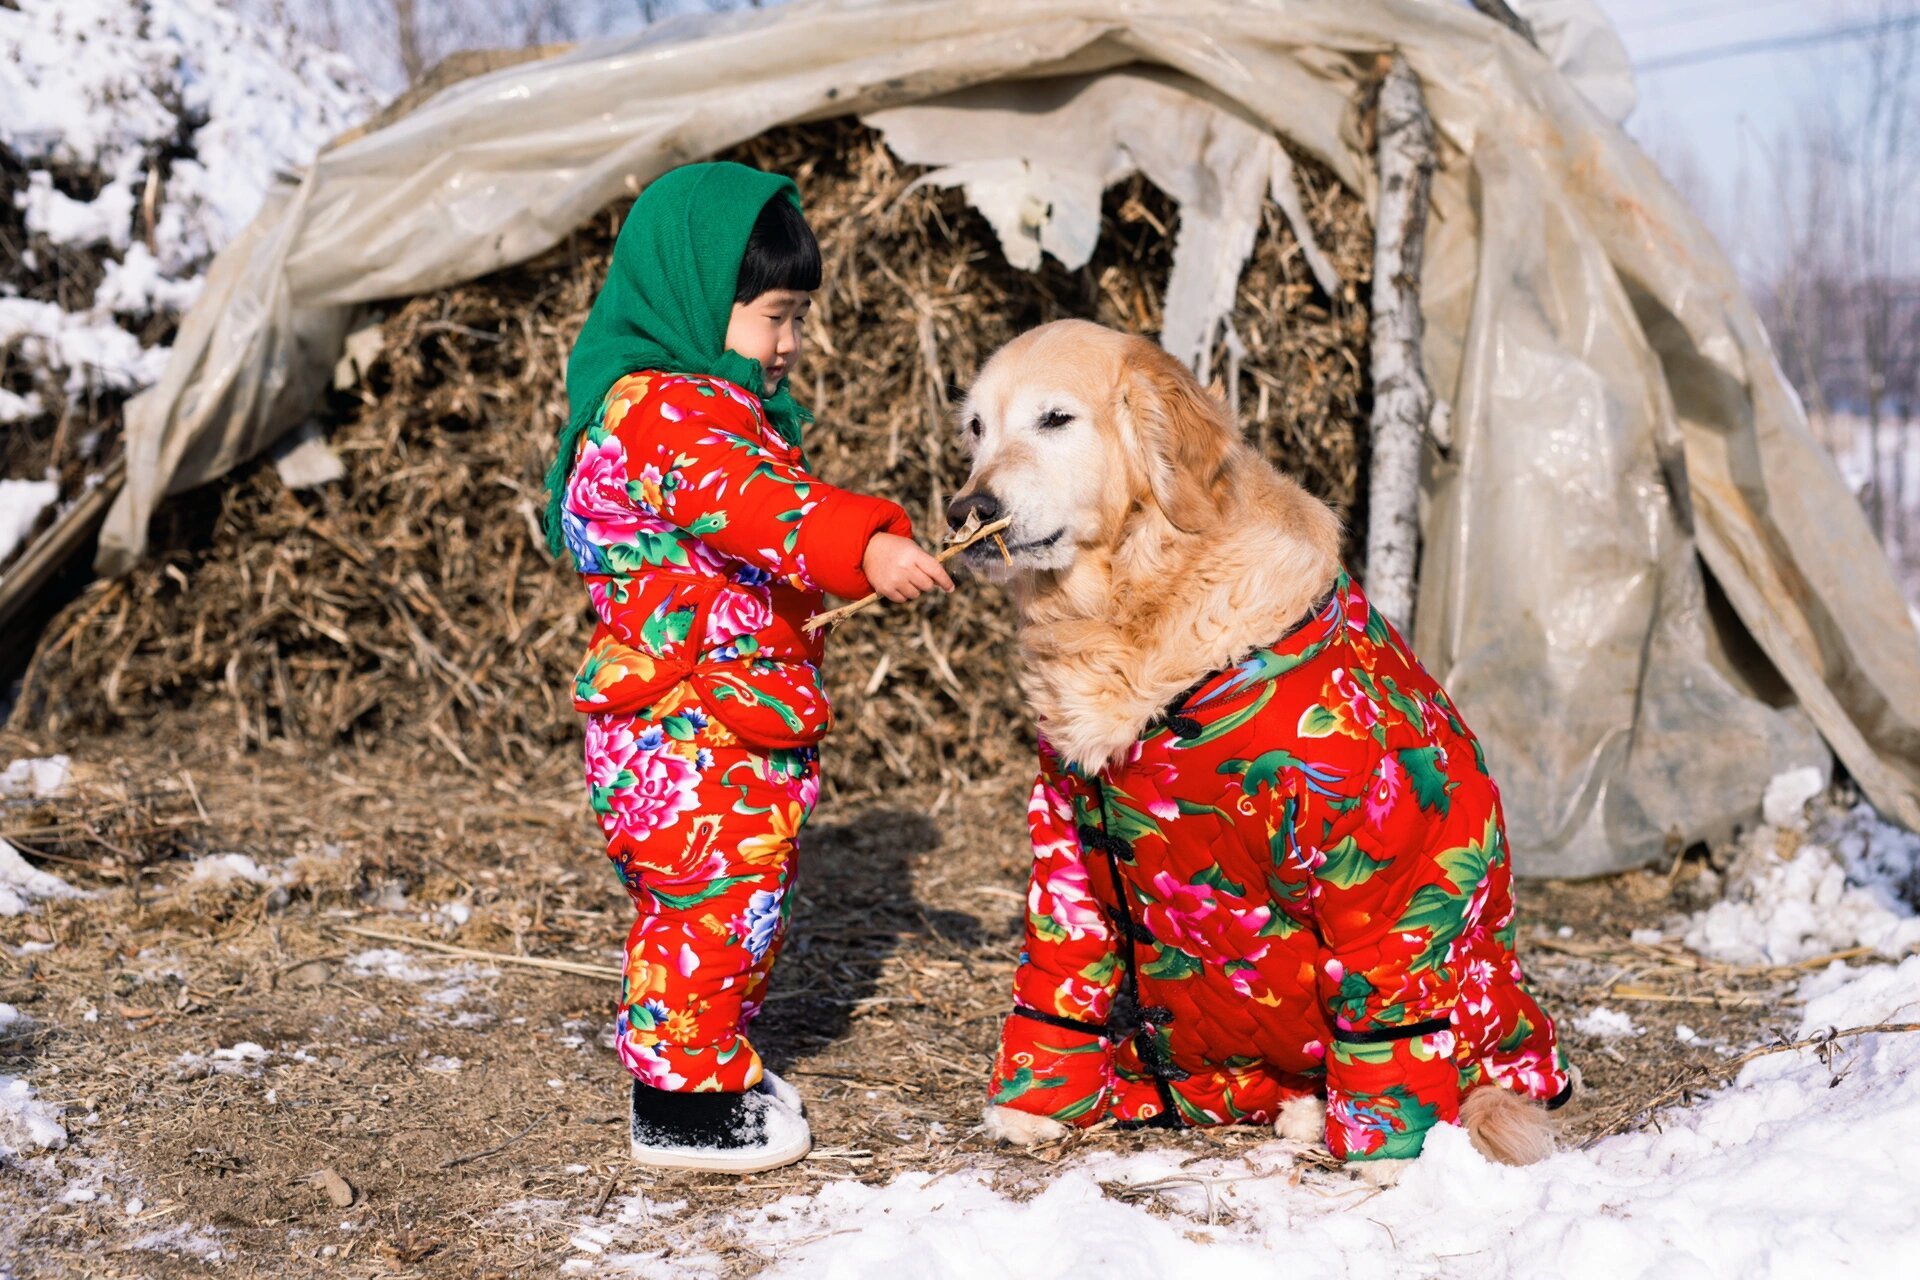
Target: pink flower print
(1362,712)
(736,612)
(1065,897)
(1176,919)
(1383,793)
(610,744)
(689,960)
(648,1065)
(645,787)
(597,493)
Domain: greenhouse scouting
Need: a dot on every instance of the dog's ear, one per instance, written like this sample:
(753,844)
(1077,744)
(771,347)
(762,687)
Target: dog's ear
(1184,433)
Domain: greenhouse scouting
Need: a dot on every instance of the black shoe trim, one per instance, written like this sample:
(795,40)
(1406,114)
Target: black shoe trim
(721,1121)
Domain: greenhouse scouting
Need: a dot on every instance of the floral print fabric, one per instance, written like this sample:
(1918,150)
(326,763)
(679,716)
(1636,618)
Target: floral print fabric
(1298,882)
(702,831)
(705,544)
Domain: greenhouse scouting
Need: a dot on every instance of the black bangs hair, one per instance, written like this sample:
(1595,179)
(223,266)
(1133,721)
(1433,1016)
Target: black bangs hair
(781,253)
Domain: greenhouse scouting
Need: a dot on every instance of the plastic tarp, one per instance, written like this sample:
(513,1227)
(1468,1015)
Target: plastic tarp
(1642,579)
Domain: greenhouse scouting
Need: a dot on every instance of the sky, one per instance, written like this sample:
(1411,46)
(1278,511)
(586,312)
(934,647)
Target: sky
(1722,116)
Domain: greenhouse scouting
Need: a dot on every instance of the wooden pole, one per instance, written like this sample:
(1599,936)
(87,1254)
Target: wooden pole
(1402,400)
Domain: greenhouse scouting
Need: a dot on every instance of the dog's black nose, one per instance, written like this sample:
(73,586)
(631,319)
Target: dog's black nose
(982,504)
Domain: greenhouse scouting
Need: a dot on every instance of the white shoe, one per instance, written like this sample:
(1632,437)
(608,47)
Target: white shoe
(782,1092)
(747,1132)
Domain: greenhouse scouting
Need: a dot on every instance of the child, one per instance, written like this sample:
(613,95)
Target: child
(681,492)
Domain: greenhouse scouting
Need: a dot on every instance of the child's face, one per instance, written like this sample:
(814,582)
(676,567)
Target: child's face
(768,329)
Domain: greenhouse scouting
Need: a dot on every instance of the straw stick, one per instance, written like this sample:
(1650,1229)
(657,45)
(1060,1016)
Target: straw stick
(497,957)
(962,539)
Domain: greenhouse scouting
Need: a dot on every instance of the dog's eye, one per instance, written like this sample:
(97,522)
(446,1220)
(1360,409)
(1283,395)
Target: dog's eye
(1055,418)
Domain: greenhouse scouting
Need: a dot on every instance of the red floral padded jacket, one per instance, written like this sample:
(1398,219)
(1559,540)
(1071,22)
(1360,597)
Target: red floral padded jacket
(1298,879)
(705,545)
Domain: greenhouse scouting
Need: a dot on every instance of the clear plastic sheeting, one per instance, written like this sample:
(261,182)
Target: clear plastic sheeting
(1035,156)
(1644,582)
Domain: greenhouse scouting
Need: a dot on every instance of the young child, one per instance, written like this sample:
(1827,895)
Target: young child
(681,491)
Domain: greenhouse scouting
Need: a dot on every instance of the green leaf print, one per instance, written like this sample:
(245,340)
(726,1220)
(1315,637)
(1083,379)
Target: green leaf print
(1430,785)
(1350,1001)
(648,550)
(725,692)
(1100,972)
(1348,864)
(1021,1082)
(1227,724)
(1127,822)
(1045,928)
(1074,1110)
(1439,910)
(682,901)
(1217,877)
(1416,1117)
(667,628)
(712,522)
(1195,1115)
(1171,964)
(1317,722)
(679,728)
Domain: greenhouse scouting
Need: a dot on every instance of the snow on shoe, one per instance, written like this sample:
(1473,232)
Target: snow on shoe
(715,1132)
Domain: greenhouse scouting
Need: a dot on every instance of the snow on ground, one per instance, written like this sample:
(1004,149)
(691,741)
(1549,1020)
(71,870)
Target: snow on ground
(1801,889)
(225,868)
(21,501)
(1785,1173)
(35,779)
(23,884)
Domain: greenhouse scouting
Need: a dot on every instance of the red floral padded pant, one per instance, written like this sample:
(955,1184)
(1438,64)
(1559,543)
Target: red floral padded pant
(702,830)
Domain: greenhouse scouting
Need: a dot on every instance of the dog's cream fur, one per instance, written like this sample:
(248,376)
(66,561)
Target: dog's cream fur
(1150,547)
(1180,551)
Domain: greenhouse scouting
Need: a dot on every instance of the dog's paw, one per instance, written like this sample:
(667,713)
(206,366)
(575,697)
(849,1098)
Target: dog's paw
(1379,1173)
(1021,1128)
(1505,1127)
(1302,1119)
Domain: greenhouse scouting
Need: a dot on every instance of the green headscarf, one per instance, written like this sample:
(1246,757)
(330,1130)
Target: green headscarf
(667,300)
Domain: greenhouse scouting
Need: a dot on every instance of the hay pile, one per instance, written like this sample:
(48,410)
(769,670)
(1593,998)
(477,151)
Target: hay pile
(412,601)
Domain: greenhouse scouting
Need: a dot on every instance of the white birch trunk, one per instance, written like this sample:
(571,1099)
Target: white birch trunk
(1402,401)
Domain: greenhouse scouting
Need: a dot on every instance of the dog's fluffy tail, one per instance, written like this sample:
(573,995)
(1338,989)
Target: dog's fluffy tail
(1506,1127)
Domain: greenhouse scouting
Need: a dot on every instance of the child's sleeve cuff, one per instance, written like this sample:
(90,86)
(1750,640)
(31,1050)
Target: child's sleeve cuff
(834,535)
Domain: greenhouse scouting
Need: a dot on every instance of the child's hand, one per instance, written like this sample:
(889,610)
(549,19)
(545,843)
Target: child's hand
(900,570)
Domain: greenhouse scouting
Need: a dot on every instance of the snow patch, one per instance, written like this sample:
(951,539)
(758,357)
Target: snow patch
(172,119)
(35,779)
(1785,1173)
(225,868)
(1785,802)
(26,1123)
(22,885)
(21,501)
(1605,1024)
(1850,881)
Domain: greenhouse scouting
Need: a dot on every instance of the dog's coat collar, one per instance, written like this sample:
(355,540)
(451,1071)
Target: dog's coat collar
(1229,680)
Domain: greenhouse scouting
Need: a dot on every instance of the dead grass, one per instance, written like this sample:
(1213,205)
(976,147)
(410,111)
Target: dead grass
(885,1014)
(413,602)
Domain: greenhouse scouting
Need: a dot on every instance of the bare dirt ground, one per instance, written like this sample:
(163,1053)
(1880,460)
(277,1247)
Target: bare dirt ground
(253,1084)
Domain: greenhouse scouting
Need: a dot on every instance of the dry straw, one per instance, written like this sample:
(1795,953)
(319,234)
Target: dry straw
(412,601)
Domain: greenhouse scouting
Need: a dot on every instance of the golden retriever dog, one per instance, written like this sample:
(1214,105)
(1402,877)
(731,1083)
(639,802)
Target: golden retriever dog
(1175,592)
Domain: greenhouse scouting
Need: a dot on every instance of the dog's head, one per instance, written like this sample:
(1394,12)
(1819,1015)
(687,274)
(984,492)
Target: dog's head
(1075,431)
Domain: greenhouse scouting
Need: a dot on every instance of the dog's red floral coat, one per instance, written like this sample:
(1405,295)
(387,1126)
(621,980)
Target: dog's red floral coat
(1298,880)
